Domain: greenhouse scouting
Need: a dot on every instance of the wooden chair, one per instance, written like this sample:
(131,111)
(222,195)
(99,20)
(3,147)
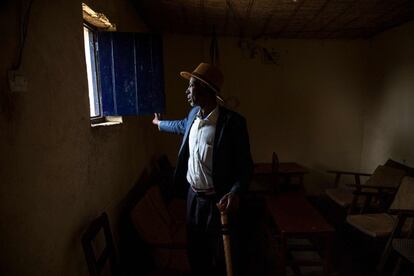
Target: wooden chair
(165,235)
(343,196)
(174,199)
(377,191)
(397,222)
(99,262)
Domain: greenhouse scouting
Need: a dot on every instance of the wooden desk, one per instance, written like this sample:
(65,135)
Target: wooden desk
(287,170)
(295,217)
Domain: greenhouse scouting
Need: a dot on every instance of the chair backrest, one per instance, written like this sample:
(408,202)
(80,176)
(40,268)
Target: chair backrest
(397,165)
(151,218)
(385,176)
(163,235)
(98,262)
(404,199)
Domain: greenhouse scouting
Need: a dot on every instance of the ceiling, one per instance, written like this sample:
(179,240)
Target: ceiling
(321,19)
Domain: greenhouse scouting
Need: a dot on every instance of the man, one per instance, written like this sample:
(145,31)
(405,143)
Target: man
(214,159)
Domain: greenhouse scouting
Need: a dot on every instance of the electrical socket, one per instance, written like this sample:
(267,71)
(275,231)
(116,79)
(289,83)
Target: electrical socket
(17,81)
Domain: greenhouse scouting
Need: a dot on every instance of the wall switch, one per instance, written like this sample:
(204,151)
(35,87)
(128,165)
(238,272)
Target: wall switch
(17,81)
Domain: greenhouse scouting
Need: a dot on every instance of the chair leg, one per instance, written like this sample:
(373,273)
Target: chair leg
(397,267)
(282,254)
(388,248)
(385,255)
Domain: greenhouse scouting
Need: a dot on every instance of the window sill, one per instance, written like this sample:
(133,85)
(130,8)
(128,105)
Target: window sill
(107,121)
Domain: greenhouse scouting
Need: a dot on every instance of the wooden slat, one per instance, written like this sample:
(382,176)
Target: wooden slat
(277,18)
(267,22)
(344,11)
(203,17)
(293,14)
(235,13)
(315,16)
(247,18)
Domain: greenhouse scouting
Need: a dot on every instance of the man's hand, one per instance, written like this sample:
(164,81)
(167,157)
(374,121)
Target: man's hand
(228,203)
(157,118)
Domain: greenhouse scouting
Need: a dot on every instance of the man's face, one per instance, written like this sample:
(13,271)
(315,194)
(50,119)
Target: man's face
(195,92)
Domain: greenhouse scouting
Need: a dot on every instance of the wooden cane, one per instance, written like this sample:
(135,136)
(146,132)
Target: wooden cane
(226,242)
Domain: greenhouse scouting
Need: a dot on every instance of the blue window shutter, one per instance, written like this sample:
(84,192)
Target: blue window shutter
(131,73)
(106,85)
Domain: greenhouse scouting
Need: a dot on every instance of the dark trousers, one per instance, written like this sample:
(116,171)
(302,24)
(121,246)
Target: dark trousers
(205,248)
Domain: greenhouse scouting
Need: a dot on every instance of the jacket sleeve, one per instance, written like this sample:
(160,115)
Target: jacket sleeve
(243,159)
(176,126)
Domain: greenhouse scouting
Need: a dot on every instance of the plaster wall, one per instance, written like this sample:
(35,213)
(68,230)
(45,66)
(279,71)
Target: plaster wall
(58,173)
(389,112)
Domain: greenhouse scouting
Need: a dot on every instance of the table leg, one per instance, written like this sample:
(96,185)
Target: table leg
(327,254)
(282,255)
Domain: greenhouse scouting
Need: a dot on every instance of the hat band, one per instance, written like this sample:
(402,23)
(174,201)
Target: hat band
(212,86)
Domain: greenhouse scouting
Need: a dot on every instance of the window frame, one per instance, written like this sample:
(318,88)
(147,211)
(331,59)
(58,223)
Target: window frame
(99,118)
(109,76)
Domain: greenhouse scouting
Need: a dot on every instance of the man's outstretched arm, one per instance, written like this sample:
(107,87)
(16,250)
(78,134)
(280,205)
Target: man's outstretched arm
(175,126)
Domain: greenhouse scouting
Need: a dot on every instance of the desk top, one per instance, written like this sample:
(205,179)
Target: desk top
(284,168)
(293,214)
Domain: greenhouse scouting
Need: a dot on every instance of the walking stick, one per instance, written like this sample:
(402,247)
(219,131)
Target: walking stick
(226,242)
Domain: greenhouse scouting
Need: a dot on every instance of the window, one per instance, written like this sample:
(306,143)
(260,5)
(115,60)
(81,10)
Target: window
(125,73)
(91,69)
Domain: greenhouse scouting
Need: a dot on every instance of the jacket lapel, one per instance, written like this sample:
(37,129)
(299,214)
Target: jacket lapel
(188,127)
(219,132)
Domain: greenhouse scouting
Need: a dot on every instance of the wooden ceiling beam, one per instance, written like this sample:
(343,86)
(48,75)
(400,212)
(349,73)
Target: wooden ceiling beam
(396,10)
(203,17)
(316,15)
(391,8)
(266,22)
(246,18)
(356,18)
(292,15)
(344,11)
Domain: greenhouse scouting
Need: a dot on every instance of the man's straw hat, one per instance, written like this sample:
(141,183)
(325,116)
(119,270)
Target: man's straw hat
(208,74)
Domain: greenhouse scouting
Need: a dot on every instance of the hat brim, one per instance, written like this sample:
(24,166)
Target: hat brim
(188,75)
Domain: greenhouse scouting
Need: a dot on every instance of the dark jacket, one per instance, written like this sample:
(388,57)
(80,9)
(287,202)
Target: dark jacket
(232,162)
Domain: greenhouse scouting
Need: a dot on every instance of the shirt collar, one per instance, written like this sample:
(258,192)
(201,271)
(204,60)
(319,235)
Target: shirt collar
(211,117)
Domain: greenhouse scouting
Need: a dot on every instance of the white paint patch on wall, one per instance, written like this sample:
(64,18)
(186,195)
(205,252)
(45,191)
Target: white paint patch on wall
(389,115)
